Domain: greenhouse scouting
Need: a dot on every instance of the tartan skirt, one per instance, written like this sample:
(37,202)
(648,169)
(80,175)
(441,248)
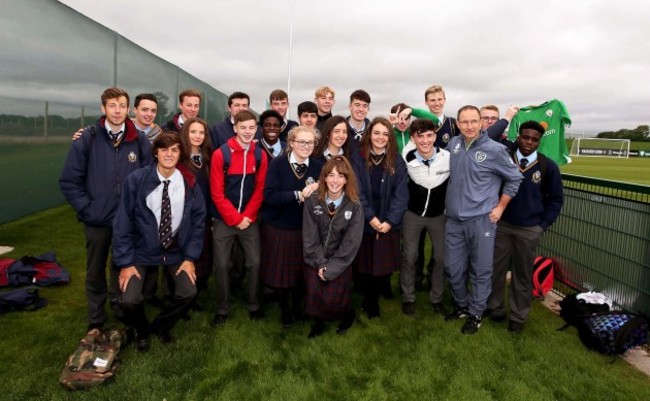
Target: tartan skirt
(329,300)
(379,256)
(282,259)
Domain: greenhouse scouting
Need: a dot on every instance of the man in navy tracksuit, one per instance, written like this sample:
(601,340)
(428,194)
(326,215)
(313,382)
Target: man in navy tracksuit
(160,221)
(478,168)
(91,181)
(530,213)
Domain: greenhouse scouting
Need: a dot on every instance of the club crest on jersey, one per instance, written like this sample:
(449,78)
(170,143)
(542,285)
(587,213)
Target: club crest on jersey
(445,138)
(132,157)
(347,214)
(549,113)
(456,148)
(480,156)
(318,210)
(537,177)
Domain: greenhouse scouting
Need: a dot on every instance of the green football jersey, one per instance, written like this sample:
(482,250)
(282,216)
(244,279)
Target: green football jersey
(553,116)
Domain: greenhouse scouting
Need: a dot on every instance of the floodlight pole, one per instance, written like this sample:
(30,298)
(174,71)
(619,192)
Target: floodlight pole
(293,9)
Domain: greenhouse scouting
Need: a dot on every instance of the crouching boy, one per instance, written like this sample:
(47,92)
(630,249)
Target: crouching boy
(159,222)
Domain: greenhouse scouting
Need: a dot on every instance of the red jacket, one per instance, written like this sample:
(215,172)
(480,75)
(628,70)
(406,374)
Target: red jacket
(238,192)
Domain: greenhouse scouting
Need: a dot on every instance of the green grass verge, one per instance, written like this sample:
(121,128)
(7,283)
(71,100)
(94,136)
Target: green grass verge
(635,169)
(391,358)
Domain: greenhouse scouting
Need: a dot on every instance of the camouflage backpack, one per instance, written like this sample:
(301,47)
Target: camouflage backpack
(94,361)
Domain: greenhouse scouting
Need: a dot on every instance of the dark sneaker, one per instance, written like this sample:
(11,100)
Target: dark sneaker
(438,307)
(495,316)
(408,308)
(316,329)
(458,313)
(471,325)
(257,315)
(515,327)
(219,320)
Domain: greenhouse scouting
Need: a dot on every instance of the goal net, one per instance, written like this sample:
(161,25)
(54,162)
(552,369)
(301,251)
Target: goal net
(600,147)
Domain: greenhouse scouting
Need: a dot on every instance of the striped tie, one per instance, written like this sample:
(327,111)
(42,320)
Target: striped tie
(165,229)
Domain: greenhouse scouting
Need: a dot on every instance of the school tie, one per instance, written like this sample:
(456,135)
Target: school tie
(426,162)
(271,150)
(331,207)
(196,159)
(114,137)
(300,168)
(165,229)
(523,162)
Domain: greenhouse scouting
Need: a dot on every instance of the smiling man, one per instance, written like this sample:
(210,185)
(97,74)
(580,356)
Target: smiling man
(480,169)
(237,174)
(159,222)
(524,221)
(359,107)
(189,102)
(279,101)
(435,99)
(145,108)
(324,97)
(91,181)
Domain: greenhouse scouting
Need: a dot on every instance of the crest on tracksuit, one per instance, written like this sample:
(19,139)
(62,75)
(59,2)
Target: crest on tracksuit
(480,156)
(132,157)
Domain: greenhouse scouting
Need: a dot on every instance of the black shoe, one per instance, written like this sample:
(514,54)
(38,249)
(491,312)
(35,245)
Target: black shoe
(408,308)
(346,323)
(219,320)
(316,329)
(165,337)
(495,316)
(515,327)
(471,325)
(141,342)
(257,315)
(373,312)
(458,313)
(438,307)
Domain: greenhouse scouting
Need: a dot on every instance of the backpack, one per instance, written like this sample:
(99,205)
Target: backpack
(42,270)
(225,151)
(576,307)
(613,333)
(21,299)
(94,361)
(543,276)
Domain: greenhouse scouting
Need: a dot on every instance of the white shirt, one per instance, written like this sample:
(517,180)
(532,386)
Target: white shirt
(120,132)
(176,192)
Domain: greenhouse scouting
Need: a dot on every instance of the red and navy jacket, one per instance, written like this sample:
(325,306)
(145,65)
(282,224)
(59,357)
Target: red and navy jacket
(173,124)
(237,192)
(136,240)
(95,170)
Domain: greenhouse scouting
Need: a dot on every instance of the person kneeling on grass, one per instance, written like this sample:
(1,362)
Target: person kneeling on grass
(332,228)
(160,221)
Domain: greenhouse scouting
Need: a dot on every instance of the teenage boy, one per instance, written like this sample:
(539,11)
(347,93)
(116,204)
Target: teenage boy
(160,222)
(483,179)
(237,174)
(145,108)
(359,107)
(91,181)
(428,170)
(435,99)
(531,212)
(271,122)
(221,132)
(494,125)
(308,115)
(189,102)
(279,101)
(324,98)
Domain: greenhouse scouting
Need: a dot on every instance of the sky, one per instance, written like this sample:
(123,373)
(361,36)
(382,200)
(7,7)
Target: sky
(592,55)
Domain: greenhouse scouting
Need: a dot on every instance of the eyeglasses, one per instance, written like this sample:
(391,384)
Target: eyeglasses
(486,118)
(469,122)
(305,144)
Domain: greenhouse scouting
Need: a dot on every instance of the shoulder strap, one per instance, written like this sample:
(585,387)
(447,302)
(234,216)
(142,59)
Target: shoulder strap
(225,151)
(258,157)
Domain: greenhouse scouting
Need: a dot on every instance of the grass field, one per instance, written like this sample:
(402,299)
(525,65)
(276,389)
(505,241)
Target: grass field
(390,358)
(635,169)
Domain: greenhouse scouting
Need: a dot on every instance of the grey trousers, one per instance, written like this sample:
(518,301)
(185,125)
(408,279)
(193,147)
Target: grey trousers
(98,245)
(412,227)
(469,252)
(515,248)
(223,238)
